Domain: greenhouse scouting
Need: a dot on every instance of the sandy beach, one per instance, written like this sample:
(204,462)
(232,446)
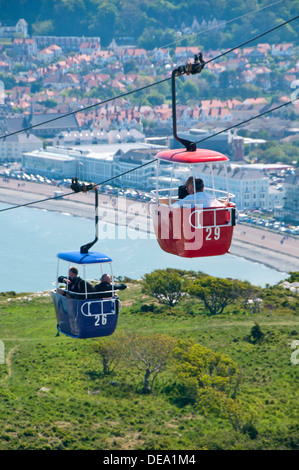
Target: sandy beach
(258,245)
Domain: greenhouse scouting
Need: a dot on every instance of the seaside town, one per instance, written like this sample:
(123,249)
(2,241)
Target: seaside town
(43,78)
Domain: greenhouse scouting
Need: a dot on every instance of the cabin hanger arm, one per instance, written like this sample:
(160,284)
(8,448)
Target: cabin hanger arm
(188,68)
(78,187)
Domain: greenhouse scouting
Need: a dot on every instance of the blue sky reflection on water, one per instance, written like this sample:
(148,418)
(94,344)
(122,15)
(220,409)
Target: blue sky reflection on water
(30,239)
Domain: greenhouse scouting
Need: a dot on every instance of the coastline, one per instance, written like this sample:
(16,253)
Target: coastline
(255,244)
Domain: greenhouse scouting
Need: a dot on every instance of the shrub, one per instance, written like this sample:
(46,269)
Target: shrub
(256,334)
(166,285)
(217,293)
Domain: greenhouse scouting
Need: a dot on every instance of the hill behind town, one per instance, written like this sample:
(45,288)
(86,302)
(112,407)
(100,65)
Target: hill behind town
(152,24)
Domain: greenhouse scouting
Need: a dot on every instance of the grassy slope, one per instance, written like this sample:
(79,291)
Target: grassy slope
(78,408)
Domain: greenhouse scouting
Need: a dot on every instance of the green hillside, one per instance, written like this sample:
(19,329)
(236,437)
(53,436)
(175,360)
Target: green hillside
(152,23)
(55,393)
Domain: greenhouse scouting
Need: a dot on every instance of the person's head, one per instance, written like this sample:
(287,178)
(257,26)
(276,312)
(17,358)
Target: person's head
(199,185)
(73,272)
(189,185)
(106,278)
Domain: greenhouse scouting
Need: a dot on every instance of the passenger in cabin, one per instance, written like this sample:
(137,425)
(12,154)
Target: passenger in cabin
(182,191)
(104,288)
(75,285)
(200,197)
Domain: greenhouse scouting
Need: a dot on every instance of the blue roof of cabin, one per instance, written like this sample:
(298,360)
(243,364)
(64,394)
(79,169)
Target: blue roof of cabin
(84,258)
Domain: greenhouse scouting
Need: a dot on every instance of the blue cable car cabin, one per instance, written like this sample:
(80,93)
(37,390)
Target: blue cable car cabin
(86,314)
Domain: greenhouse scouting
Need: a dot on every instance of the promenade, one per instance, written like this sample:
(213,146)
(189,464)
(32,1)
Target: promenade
(260,245)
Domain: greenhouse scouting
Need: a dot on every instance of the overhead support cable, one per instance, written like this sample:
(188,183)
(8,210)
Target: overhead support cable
(151,161)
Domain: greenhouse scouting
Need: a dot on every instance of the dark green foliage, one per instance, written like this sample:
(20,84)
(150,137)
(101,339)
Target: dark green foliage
(166,285)
(250,430)
(154,24)
(207,379)
(218,293)
(256,334)
(294,276)
(272,152)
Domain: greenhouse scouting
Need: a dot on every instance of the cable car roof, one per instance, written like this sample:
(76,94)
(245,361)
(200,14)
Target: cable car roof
(198,156)
(84,258)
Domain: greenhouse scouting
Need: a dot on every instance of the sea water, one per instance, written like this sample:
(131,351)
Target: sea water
(30,239)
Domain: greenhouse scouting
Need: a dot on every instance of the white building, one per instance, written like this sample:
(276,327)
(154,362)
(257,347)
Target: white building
(83,137)
(161,55)
(25,47)
(95,167)
(135,159)
(53,162)
(250,187)
(21,29)
(290,209)
(13,146)
(94,163)
(68,162)
(276,197)
(48,54)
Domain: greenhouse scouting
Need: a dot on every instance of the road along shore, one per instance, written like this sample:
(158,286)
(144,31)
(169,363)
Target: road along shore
(259,245)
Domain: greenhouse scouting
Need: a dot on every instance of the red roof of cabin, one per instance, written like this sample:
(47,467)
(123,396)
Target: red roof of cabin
(198,156)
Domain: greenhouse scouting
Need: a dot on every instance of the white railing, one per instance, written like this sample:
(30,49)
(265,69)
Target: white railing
(172,196)
(92,296)
(100,303)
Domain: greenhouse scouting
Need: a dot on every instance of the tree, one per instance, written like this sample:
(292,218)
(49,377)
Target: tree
(153,36)
(36,86)
(166,285)
(155,99)
(130,66)
(190,91)
(148,355)
(49,103)
(294,276)
(42,28)
(102,22)
(207,379)
(110,351)
(8,80)
(256,334)
(217,293)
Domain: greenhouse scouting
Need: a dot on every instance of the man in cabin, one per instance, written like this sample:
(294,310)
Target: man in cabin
(75,285)
(104,288)
(199,197)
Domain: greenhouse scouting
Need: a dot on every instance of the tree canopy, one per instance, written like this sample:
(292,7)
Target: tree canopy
(208,379)
(166,285)
(217,293)
(148,355)
(152,23)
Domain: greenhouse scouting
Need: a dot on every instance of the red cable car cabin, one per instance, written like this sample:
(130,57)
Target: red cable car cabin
(193,230)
